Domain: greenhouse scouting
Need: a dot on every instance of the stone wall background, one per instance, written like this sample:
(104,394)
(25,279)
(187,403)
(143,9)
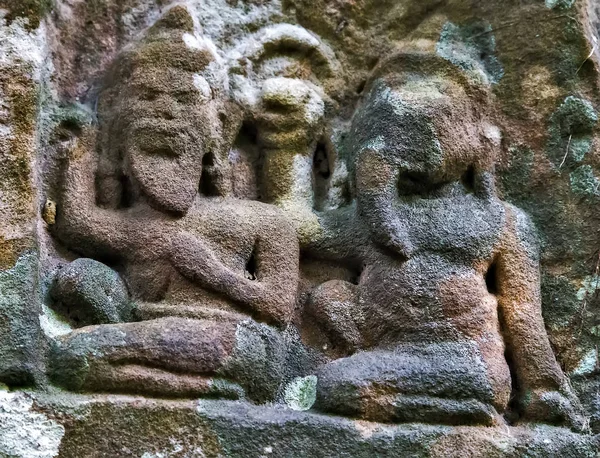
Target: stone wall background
(541,57)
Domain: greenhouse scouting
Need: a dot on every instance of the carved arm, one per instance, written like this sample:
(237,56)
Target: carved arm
(271,296)
(80,223)
(546,394)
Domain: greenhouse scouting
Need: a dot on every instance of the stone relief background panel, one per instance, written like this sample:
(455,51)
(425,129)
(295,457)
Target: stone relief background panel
(382,210)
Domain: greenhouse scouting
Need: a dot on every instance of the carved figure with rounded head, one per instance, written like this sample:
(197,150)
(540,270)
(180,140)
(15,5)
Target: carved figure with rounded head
(158,112)
(451,281)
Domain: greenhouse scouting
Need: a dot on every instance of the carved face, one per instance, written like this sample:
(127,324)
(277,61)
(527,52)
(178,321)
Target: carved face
(423,126)
(163,117)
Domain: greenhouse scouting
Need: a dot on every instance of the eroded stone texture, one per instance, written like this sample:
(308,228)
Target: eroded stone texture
(24,431)
(446,295)
(186,250)
(22,70)
(381,211)
(154,428)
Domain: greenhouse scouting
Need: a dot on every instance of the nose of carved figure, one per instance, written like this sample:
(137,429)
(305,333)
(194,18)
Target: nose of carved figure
(165,107)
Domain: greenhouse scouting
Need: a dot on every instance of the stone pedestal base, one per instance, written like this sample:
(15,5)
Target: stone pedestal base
(122,426)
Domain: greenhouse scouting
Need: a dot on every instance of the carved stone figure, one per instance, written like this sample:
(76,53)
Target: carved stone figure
(447,305)
(149,195)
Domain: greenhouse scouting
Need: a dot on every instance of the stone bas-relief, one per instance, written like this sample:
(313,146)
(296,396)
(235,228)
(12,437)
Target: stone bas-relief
(450,281)
(441,298)
(238,248)
(426,308)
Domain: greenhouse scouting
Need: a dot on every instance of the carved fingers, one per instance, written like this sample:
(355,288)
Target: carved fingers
(193,259)
(292,115)
(80,223)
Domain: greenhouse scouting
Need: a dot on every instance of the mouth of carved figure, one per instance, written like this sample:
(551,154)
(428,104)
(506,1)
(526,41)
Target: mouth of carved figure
(156,139)
(163,150)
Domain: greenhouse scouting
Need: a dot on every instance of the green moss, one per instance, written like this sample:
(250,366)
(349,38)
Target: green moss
(225,389)
(579,147)
(471,47)
(75,114)
(584,182)
(68,369)
(516,179)
(575,115)
(301,393)
(559,301)
(19,323)
(570,131)
(559,4)
(257,361)
(34,10)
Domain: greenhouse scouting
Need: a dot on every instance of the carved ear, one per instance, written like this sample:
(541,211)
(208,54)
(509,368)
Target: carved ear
(176,18)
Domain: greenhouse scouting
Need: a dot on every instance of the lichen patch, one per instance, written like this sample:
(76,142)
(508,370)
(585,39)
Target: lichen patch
(24,432)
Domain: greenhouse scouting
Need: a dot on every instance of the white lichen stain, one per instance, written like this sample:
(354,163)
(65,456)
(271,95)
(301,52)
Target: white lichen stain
(336,194)
(376,144)
(254,46)
(52,324)
(302,172)
(223,21)
(493,134)
(25,433)
(295,93)
(145,13)
(587,364)
(176,449)
(301,393)
(589,286)
(192,42)
(366,429)
(297,202)
(203,87)
(20,46)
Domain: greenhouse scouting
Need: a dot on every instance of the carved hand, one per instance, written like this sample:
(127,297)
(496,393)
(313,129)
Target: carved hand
(290,125)
(292,115)
(80,223)
(195,261)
